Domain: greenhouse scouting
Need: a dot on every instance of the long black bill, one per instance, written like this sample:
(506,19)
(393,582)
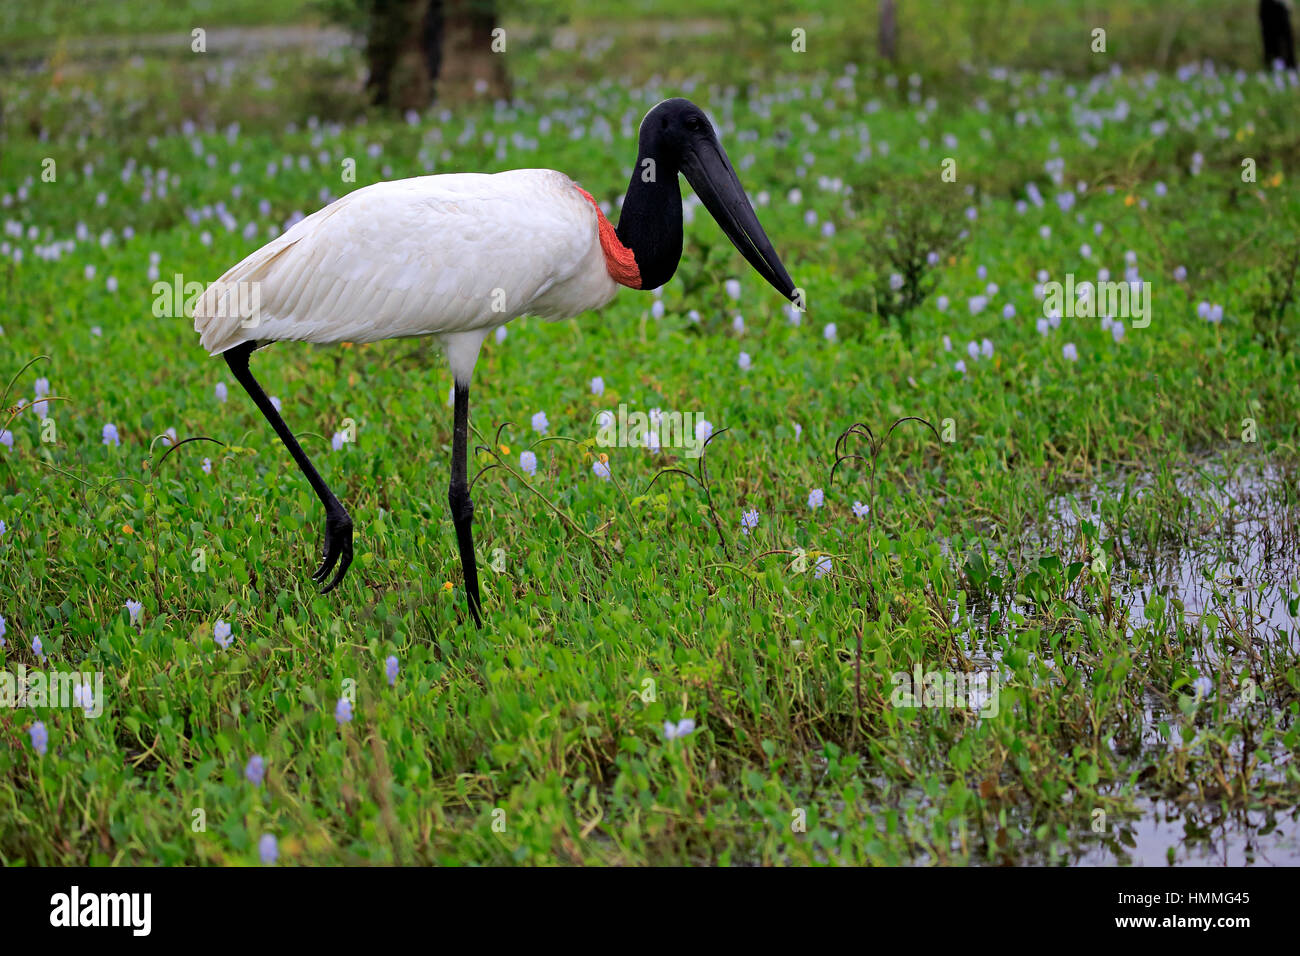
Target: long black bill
(708,170)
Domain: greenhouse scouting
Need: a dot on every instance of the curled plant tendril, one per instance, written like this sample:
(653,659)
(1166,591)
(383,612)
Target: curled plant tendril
(496,443)
(702,479)
(495,452)
(862,430)
(186,441)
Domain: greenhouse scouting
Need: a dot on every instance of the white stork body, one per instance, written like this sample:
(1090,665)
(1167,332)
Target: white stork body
(457,256)
(453,256)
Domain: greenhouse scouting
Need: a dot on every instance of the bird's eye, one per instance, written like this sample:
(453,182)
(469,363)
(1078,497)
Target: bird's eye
(694,123)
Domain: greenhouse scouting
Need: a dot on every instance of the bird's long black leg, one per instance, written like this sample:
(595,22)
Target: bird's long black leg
(462,509)
(338,524)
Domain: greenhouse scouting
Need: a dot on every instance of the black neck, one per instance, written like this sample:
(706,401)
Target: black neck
(651,221)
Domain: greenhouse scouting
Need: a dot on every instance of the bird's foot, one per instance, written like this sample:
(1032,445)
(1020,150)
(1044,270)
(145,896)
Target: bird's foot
(336,548)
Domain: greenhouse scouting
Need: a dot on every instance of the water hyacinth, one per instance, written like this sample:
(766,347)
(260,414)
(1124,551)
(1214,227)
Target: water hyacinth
(601,470)
(816,498)
(110,436)
(541,423)
(733,289)
(343,711)
(860,510)
(40,738)
(823,568)
(598,386)
(255,770)
(135,609)
(828,332)
(268,850)
(682,728)
(206,465)
(221,634)
(391,668)
(38,648)
(749,521)
(221,391)
(744,361)
(1070,352)
(4,627)
(528,462)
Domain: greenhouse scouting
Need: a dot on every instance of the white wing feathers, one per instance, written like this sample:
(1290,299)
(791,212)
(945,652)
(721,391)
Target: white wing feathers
(436,254)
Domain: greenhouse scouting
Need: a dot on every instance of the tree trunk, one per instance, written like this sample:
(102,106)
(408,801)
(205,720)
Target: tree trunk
(418,49)
(471,68)
(1279,41)
(888,40)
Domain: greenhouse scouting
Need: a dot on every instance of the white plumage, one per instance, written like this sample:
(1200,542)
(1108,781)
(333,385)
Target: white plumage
(423,256)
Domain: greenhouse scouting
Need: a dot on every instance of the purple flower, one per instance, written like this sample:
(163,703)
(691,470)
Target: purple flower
(221,634)
(601,470)
(255,770)
(680,729)
(110,435)
(40,738)
(598,386)
(528,462)
(221,391)
(816,498)
(541,423)
(390,669)
(268,850)
(749,521)
(1070,352)
(343,711)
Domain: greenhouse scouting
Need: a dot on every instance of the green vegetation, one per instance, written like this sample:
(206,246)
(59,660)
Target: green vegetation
(540,738)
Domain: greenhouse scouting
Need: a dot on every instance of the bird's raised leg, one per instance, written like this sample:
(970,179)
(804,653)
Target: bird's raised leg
(338,524)
(462,509)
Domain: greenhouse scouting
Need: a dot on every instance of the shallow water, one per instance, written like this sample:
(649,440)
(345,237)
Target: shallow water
(1236,555)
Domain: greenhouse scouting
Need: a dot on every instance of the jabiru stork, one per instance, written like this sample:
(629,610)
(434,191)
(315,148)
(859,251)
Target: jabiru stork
(458,255)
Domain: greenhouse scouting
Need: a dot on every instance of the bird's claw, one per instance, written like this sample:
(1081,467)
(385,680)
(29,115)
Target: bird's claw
(337,548)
